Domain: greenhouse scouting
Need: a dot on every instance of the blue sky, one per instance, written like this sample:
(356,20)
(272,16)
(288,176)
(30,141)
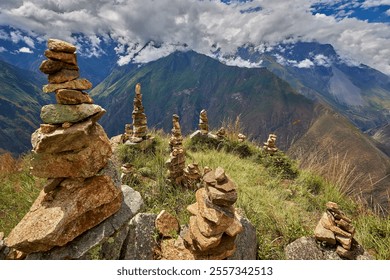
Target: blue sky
(357,29)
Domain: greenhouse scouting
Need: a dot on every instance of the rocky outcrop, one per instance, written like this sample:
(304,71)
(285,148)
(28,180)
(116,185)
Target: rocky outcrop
(70,149)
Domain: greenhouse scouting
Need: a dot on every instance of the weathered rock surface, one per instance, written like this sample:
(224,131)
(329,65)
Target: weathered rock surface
(69,58)
(109,235)
(58,113)
(78,84)
(85,162)
(62,76)
(140,244)
(72,97)
(77,207)
(246,242)
(60,46)
(52,66)
(166,224)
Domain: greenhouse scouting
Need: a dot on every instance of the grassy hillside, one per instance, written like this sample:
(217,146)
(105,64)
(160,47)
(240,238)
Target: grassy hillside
(283,202)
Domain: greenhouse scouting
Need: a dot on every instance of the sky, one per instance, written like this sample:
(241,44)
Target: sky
(359,30)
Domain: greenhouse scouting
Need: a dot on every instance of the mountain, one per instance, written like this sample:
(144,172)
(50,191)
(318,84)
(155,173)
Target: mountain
(21,99)
(358,92)
(186,82)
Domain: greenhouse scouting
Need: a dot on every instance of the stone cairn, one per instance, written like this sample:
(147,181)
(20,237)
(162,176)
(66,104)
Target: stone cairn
(137,132)
(193,176)
(177,160)
(214,224)
(221,133)
(270,145)
(335,229)
(203,122)
(71,150)
(241,137)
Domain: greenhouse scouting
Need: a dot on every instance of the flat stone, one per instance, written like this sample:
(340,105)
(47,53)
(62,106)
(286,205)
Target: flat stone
(225,249)
(346,242)
(345,226)
(220,175)
(345,253)
(202,242)
(166,224)
(69,58)
(73,138)
(306,248)
(72,97)
(324,235)
(235,227)
(78,84)
(60,46)
(48,128)
(50,66)
(221,198)
(209,229)
(84,163)
(174,249)
(62,76)
(78,206)
(58,113)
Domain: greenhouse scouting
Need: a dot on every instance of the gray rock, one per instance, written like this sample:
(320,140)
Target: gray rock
(80,248)
(246,242)
(140,244)
(111,170)
(59,113)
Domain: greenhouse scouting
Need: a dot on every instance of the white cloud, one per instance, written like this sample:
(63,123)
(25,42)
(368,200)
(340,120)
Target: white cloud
(388,12)
(322,60)
(199,24)
(2,49)
(25,50)
(306,63)
(375,3)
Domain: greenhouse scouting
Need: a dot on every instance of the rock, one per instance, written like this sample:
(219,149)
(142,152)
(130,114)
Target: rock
(60,46)
(48,128)
(58,113)
(346,242)
(15,255)
(139,244)
(322,234)
(174,249)
(166,224)
(110,231)
(78,206)
(51,184)
(62,76)
(202,242)
(246,242)
(209,229)
(78,84)
(72,97)
(306,248)
(85,162)
(111,170)
(235,227)
(69,58)
(52,66)
(221,198)
(60,140)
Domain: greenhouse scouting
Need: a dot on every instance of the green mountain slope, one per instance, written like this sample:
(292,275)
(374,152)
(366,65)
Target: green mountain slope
(186,83)
(20,101)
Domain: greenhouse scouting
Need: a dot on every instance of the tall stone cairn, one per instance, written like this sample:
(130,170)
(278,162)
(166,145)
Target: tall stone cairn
(203,122)
(270,145)
(214,224)
(69,149)
(336,229)
(139,117)
(177,160)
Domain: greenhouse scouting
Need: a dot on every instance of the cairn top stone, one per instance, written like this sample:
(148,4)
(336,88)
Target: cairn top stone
(57,45)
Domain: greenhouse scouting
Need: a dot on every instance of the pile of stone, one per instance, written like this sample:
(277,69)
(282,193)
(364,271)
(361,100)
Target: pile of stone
(192,176)
(270,145)
(203,122)
(137,131)
(241,137)
(221,133)
(177,159)
(70,150)
(336,229)
(214,224)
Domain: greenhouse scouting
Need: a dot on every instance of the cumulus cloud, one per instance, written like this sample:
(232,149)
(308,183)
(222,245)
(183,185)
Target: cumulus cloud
(25,50)
(203,26)
(375,3)
(2,49)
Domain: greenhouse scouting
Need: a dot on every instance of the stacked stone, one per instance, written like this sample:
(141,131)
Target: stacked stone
(335,228)
(270,145)
(128,133)
(203,122)
(241,137)
(177,160)
(192,176)
(70,149)
(221,133)
(214,224)
(139,117)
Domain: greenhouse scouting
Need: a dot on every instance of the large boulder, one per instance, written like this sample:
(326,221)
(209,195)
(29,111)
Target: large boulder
(57,218)
(59,113)
(104,241)
(84,162)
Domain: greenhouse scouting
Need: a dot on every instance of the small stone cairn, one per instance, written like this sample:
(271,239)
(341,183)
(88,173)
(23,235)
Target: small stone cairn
(70,150)
(214,224)
(241,137)
(221,133)
(177,160)
(270,145)
(193,176)
(335,229)
(136,132)
(203,131)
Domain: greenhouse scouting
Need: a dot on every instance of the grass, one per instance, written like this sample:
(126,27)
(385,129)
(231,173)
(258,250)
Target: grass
(282,202)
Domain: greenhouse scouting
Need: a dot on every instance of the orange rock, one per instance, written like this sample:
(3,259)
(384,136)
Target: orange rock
(166,224)
(62,76)
(72,97)
(69,58)
(60,46)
